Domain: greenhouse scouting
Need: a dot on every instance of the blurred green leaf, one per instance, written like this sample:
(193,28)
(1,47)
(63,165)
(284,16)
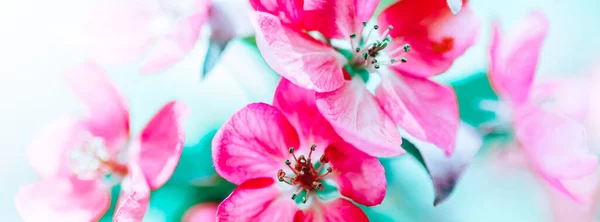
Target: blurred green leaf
(470,92)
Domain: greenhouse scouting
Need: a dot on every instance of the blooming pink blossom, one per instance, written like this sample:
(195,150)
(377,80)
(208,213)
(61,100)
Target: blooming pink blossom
(420,32)
(288,152)
(80,159)
(553,144)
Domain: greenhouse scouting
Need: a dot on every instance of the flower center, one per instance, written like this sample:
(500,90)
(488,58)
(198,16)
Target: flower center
(91,160)
(306,177)
(369,54)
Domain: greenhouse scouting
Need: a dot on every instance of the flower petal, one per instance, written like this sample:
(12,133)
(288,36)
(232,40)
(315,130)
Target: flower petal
(160,144)
(257,200)
(358,119)
(436,37)
(333,211)
(63,199)
(556,146)
(299,106)
(338,19)
(425,109)
(296,56)
(446,171)
(455,6)
(514,59)
(253,144)
(583,191)
(109,115)
(204,212)
(48,152)
(359,176)
(291,10)
(174,46)
(135,196)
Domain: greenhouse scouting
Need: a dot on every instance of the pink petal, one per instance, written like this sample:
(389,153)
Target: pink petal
(174,46)
(359,176)
(455,6)
(446,171)
(134,198)
(436,36)
(334,211)
(204,212)
(253,144)
(358,119)
(298,57)
(514,59)
(108,113)
(556,146)
(160,144)
(564,96)
(48,153)
(257,200)
(63,199)
(289,10)
(425,109)
(338,19)
(299,106)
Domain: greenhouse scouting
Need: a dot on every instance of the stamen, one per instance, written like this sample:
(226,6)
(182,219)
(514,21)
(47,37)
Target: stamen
(371,31)
(312,148)
(291,150)
(387,31)
(352,37)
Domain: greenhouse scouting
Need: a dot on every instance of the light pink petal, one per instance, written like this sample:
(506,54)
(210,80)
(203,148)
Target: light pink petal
(580,202)
(160,144)
(334,211)
(436,36)
(359,176)
(568,97)
(358,119)
(63,199)
(204,212)
(48,153)
(556,146)
(289,10)
(514,59)
(300,108)
(446,171)
(425,109)
(338,19)
(257,200)
(135,197)
(252,144)
(296,56)
(174,46)
(108,113)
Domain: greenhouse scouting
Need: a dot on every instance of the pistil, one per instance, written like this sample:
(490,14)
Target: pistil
(305,177)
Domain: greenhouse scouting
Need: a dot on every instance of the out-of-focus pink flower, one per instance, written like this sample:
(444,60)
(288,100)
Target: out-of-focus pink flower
(80,159)
(161,32)
(554,145)
(406,96)
(204,212)
(286,152)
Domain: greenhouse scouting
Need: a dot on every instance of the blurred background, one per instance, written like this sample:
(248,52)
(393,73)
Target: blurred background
(33,55)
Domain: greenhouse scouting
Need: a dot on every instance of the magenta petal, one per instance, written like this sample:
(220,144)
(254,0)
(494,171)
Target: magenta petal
(359,176)
(63,199)
(556,146)
(253,144)
(446,171)
(358,119)
(108,113)
(425,109)
(296,56)
(299,106)
(160,144)
(290,10)
(173,47)
(135,197)
(515,58)
(204,212)
(257,200)
(48,152)
(338,19)
(334,211)
(436,36)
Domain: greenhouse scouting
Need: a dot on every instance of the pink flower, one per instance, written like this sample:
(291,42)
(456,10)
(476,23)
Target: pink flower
(204,212)
(80,159)
(288,152)
(554,145)
(406,97)
(119,31)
